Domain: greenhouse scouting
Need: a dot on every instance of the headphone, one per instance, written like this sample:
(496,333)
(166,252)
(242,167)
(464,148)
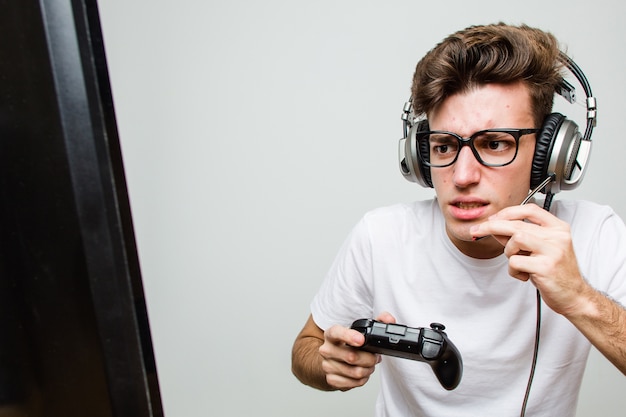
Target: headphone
(561,152)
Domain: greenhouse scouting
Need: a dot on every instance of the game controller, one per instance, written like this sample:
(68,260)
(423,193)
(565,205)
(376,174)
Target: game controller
(417,343)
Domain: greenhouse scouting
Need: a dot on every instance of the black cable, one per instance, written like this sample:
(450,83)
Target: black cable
(546,205)
(535,355)
(548,201)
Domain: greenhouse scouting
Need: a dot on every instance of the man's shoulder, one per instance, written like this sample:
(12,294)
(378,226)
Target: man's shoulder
(581,210)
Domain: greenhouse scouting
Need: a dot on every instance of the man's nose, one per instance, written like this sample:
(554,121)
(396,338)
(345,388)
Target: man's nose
(466,168)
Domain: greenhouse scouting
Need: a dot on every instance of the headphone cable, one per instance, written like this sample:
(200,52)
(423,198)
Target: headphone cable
(548,201)
(535,354)
(546,205)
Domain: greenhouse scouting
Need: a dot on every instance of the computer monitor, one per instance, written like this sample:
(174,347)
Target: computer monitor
(74,330)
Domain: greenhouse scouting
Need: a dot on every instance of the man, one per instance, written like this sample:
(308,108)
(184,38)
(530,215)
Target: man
(473,258)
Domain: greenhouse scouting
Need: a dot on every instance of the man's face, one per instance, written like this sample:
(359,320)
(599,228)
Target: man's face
(468,192)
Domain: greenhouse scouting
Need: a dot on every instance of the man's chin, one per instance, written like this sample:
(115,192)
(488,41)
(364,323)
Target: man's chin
(461,234)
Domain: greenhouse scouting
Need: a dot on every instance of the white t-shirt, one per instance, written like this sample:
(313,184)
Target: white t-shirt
(399,259)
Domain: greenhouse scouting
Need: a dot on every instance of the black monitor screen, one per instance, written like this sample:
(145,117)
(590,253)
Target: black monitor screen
(74,332)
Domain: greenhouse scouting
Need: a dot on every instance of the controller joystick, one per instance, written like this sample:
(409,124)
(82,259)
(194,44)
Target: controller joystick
(430,345)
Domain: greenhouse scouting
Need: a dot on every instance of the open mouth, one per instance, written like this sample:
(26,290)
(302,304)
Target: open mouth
(468,210)
(468,206)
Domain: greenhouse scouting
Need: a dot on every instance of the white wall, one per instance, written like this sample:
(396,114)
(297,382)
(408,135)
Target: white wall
(256,133)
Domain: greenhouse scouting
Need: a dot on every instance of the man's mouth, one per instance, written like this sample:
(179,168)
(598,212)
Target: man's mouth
(468,209)
(468,206)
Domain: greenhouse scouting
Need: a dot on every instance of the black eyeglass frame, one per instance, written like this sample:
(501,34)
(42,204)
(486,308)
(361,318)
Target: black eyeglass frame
(469,141)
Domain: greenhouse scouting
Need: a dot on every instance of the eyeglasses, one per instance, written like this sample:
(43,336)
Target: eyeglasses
(491,147)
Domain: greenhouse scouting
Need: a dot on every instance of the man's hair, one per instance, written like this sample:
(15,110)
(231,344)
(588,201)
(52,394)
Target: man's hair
(481,55)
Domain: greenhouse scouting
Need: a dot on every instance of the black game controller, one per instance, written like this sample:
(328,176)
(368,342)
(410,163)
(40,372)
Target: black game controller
(421,344)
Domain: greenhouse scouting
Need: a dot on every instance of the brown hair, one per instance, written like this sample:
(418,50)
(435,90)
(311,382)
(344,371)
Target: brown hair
(480,55)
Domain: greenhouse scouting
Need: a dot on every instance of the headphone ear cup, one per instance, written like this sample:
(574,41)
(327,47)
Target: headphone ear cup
(410,165)
(422,126)
(544,147)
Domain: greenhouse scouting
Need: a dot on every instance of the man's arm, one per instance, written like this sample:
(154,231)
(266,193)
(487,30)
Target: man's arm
(306,362)
(542,251)
(328,361)
(603,321)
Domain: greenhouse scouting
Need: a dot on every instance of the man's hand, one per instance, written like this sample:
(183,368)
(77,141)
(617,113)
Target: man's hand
(539,248)
(345,366)
(331,360)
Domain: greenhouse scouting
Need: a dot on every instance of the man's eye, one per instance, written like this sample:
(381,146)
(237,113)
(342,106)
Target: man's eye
(498,143)
(494,145)
(443,145)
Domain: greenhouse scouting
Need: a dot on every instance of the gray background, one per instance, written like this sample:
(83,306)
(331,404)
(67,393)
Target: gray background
(256,133)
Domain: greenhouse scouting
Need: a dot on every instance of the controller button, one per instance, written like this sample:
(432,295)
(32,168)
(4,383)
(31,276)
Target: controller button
(437,326)
(396,329)
(430,350)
